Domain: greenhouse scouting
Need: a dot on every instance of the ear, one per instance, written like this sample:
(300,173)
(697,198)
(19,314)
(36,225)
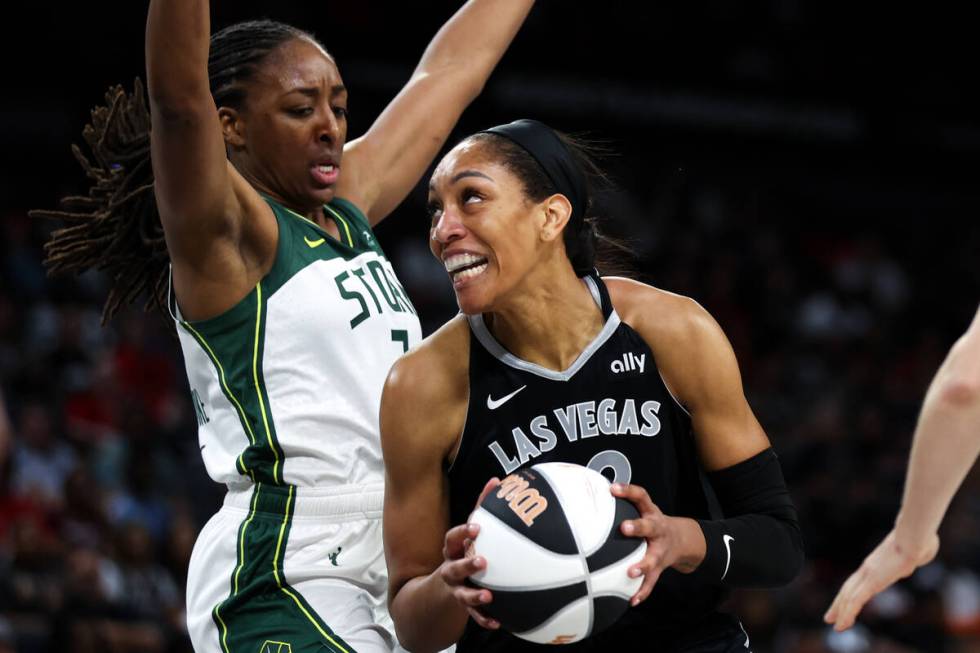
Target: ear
(232,127)
(556,211)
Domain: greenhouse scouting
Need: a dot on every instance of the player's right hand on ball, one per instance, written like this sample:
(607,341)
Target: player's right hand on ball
(458,565)
(667,545)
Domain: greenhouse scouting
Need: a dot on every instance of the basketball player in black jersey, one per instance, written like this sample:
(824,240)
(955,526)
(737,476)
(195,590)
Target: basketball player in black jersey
(549,362)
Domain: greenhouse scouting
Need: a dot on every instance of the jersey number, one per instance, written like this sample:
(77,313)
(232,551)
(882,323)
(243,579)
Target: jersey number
(613,460)
(400,335)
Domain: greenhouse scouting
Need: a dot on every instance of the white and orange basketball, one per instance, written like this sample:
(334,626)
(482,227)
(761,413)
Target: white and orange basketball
(556,560)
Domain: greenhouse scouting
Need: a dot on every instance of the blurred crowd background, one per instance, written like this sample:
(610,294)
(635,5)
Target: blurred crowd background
(805,170)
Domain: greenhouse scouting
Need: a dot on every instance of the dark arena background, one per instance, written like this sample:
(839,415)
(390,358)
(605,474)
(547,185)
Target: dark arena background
(805,170)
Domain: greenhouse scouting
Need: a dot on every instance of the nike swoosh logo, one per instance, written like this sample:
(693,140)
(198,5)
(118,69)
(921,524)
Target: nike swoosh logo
(494,404)
(314,243)
(728,539)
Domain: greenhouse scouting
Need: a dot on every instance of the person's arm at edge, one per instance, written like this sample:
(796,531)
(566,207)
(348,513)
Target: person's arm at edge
(946,442)
(945,446)
(383,165)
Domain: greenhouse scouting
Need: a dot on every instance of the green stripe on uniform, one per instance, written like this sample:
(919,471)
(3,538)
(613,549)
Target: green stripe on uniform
(262,606)
(260,391)
(226,391)
(278,563)
(336,215)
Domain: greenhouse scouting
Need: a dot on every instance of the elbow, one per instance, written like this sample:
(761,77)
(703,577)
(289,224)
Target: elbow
(785,560)
(466,82)
(179,110)
(794,560)
(471,89)
(793,569)
(411,641)
(960,392)
(407,629)
(174,102)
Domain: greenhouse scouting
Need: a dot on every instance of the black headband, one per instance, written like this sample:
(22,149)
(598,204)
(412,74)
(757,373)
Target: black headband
(554,158)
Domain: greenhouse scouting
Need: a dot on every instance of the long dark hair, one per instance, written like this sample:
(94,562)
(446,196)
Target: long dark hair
(116,227)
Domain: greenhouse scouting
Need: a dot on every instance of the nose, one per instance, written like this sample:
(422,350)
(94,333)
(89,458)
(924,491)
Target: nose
(447,229)
(328,129)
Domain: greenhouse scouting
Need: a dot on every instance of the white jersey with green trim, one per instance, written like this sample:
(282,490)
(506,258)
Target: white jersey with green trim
(287,383)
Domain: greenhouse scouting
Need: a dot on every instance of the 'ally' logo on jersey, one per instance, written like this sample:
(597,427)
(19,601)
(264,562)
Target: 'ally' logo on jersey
(630,363)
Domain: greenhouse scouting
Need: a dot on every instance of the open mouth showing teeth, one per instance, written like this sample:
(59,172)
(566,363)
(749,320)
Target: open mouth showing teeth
(325,169)
(465,266)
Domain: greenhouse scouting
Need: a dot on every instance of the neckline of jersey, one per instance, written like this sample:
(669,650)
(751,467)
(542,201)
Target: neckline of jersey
(331,212)
(498,351)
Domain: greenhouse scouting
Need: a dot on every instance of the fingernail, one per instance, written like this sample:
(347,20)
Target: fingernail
(479,562)
(493,623)
(473,528)
(628,528)
(617,487)
(634,572)
(484,597)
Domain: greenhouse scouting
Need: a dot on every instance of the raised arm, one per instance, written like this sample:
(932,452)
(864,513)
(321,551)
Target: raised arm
(383,165)
(193,184)
(944,448)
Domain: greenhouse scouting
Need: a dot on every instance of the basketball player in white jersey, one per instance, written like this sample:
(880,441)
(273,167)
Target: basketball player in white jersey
(945,446)
(289,315)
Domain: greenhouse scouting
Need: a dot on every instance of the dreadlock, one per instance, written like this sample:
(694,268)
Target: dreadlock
(116,227)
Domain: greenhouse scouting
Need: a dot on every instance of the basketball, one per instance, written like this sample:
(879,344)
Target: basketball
(556,560)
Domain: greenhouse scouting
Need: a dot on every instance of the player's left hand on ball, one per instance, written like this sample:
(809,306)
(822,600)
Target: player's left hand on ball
(888,563)
(660,532)
(459,564)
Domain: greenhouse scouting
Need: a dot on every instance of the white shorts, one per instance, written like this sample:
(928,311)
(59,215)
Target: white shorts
(291,570)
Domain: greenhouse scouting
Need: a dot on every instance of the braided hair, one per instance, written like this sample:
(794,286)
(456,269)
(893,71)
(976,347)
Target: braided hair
(116,227)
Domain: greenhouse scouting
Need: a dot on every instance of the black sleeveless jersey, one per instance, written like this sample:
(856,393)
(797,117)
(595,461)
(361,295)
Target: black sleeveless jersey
(609,411)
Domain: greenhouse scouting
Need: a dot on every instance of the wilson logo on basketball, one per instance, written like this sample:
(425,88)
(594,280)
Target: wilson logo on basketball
(527,503)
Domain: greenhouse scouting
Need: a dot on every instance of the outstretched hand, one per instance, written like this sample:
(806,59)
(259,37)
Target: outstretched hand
(888,563)
(667,544)
(457,566)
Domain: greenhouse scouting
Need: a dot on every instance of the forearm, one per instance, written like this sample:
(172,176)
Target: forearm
(426,616)
(758,543)
(944,448)
(471,43)
(177,41)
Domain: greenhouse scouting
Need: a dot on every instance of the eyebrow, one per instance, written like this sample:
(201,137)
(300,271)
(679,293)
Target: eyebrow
(463,175)
(313,91)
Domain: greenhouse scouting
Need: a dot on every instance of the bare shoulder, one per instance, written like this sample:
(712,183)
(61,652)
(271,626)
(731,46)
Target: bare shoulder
(440,359)
(664,319)
(692,352)
(424,402)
